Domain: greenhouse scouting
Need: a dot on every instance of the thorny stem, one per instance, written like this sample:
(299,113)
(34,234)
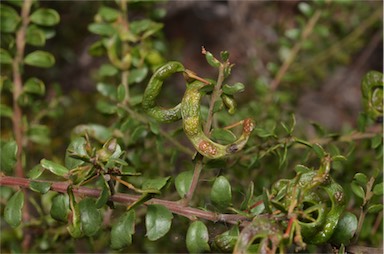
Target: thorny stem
(295,50)
(207,127)
(173,206)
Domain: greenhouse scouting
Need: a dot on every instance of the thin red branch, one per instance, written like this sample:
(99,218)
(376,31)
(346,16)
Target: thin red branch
(174,206)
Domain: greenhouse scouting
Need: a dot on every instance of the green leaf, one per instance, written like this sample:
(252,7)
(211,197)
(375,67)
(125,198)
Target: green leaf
(54,167)
(99,132)
(378,189)
(154,127)
(35,172)
(292,34)
(5,111)
(375,208)
(60,207)
(221,193)
(104,195)
(122,230)
(40,59)
(108,70)
(97,49)
(45,17)
(137,75)
(13,209)
(145,27)
(361,178)
(265,133)
(139,132)
(106,107)
(233,89)
(34,86)
(8,156)
(90,216)
(301,169)
(358,190)
(376,141)
(338,158)
(305,8)
(345,229)
(108,14)
(35,36)
(318,149)
(227,240)
(120,93)
(223,135)
(39,134)
(157,221)
(9,19)
(101,29)
(156,184)
(224,55)
(76,147)
(197,238)
(41,187)
(5,57)
(248,196)
(106,90)
(183,182)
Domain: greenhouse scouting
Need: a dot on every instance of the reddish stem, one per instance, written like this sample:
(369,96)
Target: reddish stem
(174,206)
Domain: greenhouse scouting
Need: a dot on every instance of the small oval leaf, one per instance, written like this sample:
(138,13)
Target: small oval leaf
(35,172)
(45,17)
(5,57)
(8,156)
(358,190)
(40,58)
(375,208)
(108,14)
(75,148)
(233,89)
(34,86)
(378,189)
(90,217)
(60,207)
(35,36)
(41,187)
(54,167)
(122,230)
(183,182)
(361,178)
(155,184)
(137,75)
(345,229)
(104,196)
(318,149)
(13,209)
(9,19)
(101,29)
(197,238)
(221,193)
(157,221)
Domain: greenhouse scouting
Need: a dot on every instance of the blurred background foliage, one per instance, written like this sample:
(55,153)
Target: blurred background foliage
(321,87)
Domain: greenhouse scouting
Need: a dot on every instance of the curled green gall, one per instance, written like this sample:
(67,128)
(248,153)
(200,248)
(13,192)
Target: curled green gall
(190,111)
(153,90)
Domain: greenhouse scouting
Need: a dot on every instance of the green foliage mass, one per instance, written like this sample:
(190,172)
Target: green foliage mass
(97,171)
